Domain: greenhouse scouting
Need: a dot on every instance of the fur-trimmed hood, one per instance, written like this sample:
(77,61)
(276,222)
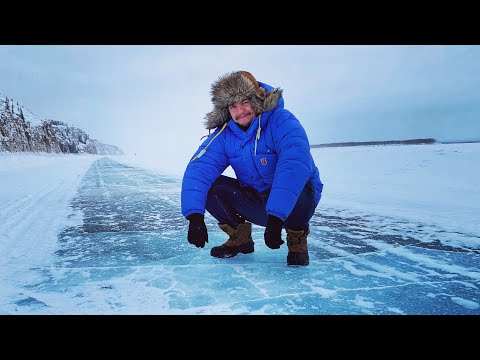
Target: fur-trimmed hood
(238,86)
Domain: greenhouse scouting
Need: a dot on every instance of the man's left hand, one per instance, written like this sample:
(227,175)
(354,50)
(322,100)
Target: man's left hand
(273,232)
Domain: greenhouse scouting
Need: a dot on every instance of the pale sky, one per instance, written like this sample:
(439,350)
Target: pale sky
(152,99)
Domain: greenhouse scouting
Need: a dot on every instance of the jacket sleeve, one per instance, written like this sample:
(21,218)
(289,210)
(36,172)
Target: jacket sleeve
(293,167)
(201,173)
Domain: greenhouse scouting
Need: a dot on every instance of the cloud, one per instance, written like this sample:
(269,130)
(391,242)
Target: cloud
(153,98)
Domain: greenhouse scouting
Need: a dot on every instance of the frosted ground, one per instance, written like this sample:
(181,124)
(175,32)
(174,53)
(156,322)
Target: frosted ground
(396,232)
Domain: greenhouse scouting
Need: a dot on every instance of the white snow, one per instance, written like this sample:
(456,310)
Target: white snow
(35,195)
(423,184)
(427,195)
(466,303)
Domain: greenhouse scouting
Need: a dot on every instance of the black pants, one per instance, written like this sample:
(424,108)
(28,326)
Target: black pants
(230,204)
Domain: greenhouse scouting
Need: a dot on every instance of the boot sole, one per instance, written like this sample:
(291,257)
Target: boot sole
(297,260)
(248,249)
(298,264)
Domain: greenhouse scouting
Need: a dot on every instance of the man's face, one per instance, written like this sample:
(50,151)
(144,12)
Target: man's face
(242,112)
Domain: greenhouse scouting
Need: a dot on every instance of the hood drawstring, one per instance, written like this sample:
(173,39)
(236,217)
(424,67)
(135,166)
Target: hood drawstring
(258,133)
(206,136)
(257,137)
(205,148)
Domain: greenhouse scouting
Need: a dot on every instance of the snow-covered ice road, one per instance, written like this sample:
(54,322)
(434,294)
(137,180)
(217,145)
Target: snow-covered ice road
(124,251)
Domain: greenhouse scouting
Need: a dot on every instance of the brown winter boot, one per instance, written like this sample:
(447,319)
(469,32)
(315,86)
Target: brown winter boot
(297,247)
(240,241)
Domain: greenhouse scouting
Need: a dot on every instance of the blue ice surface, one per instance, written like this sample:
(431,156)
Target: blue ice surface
(133,236)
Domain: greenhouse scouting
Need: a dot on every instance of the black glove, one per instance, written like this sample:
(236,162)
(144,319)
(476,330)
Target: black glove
(197,231)
(273,232)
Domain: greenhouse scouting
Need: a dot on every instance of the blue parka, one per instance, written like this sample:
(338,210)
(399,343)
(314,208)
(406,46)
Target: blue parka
(274,153)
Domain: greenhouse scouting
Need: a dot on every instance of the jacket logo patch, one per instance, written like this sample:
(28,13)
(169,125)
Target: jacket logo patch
(263,161)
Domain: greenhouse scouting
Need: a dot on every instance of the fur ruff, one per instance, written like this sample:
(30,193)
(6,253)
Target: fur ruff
(233,87)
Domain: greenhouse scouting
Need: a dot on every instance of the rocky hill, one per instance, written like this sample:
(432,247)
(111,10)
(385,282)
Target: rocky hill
(21,130)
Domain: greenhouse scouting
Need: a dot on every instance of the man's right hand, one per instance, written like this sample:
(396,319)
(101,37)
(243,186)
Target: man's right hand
(197,231)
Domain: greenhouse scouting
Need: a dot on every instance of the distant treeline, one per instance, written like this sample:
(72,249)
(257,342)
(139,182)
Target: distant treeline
(461,142)
(389,142)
